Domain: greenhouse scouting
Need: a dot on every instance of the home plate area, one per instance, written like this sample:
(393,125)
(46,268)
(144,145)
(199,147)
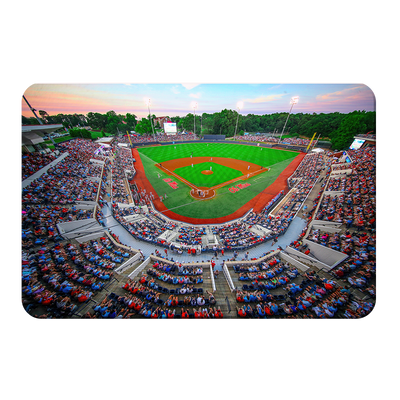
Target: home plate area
(196,172)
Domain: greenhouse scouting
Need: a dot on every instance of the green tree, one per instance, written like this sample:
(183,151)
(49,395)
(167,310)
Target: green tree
(351,126)
(131,121)
(187,123)
(97,120)
(224,123)
(25,121)
(144,126)
(113,122)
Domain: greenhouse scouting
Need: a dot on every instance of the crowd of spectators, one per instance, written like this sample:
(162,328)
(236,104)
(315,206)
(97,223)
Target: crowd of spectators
(274,139)
(306,295)
(33,162)
(61,276)
(355,204)
(82,150)
(154,295)
(303,179)
(179,137)
(123,162)
(190,235)
(158,137)
(235,235)
(68,181)
(39,222)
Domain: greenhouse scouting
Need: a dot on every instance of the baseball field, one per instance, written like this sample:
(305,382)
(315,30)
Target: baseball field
(212,181)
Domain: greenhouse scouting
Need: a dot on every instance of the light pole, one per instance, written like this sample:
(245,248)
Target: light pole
(151,120)
(293,101)
(239,105)
(33,110)
(194,105)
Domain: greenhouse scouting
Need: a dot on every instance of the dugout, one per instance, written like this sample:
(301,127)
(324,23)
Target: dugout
(214,138)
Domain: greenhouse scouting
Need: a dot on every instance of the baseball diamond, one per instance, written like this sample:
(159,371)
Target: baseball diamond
(191,171)
(241,178)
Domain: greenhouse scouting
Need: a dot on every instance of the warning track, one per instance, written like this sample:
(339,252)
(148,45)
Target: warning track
(257,203)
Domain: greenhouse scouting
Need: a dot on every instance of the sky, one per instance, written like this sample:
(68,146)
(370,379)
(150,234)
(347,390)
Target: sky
(178,99)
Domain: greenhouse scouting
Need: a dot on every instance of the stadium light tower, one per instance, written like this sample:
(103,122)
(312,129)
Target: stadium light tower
(148,101)
(194,106)
(294,100)
(239,105)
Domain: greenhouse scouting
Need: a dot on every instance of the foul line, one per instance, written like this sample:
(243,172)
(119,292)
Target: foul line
(240,178)
(179,178)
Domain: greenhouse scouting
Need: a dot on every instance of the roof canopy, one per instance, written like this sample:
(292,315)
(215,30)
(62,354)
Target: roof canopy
(33,134)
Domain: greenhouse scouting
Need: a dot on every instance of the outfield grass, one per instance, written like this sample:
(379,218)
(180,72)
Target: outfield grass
(224,203)
(257,155)
(220,174)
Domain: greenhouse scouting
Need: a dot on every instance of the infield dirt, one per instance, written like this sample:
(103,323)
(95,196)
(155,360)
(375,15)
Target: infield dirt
(257,203)
(244,167)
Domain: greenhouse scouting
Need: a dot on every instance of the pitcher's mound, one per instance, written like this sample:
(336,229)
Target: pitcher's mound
(207,172)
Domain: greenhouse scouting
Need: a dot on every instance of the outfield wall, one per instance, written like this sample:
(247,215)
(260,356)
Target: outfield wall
(257,144)
(266,193)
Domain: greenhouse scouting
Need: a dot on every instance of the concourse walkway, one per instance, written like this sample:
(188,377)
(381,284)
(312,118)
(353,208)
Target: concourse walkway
(126,238)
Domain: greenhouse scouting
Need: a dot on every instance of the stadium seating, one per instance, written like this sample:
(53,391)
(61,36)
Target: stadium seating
(70,279)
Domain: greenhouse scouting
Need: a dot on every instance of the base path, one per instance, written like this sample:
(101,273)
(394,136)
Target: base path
(257,203)
(244,167)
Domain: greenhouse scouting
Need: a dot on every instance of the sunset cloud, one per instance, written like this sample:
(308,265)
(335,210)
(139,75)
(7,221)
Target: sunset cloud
(190,86)
(174,99)
(195,95)
(264,99)
(339,95)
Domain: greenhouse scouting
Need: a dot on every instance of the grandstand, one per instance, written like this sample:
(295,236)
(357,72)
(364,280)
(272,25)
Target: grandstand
(97,242)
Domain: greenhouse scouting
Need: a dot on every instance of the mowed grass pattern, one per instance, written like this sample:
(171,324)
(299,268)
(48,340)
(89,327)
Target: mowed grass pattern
(220,174)
(225,202)
(256,155)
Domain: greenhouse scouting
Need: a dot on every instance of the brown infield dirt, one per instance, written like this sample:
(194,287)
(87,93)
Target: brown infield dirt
(242,166)
(257,203)
(246,168)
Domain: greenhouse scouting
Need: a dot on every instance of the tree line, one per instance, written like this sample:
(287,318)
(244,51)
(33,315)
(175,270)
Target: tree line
(110,122)
(337,127)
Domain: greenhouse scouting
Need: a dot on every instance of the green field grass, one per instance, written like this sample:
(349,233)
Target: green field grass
(224,203)
(220,174)
(257,155)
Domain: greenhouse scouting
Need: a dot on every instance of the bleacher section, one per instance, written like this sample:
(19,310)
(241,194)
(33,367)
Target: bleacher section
(76,267)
